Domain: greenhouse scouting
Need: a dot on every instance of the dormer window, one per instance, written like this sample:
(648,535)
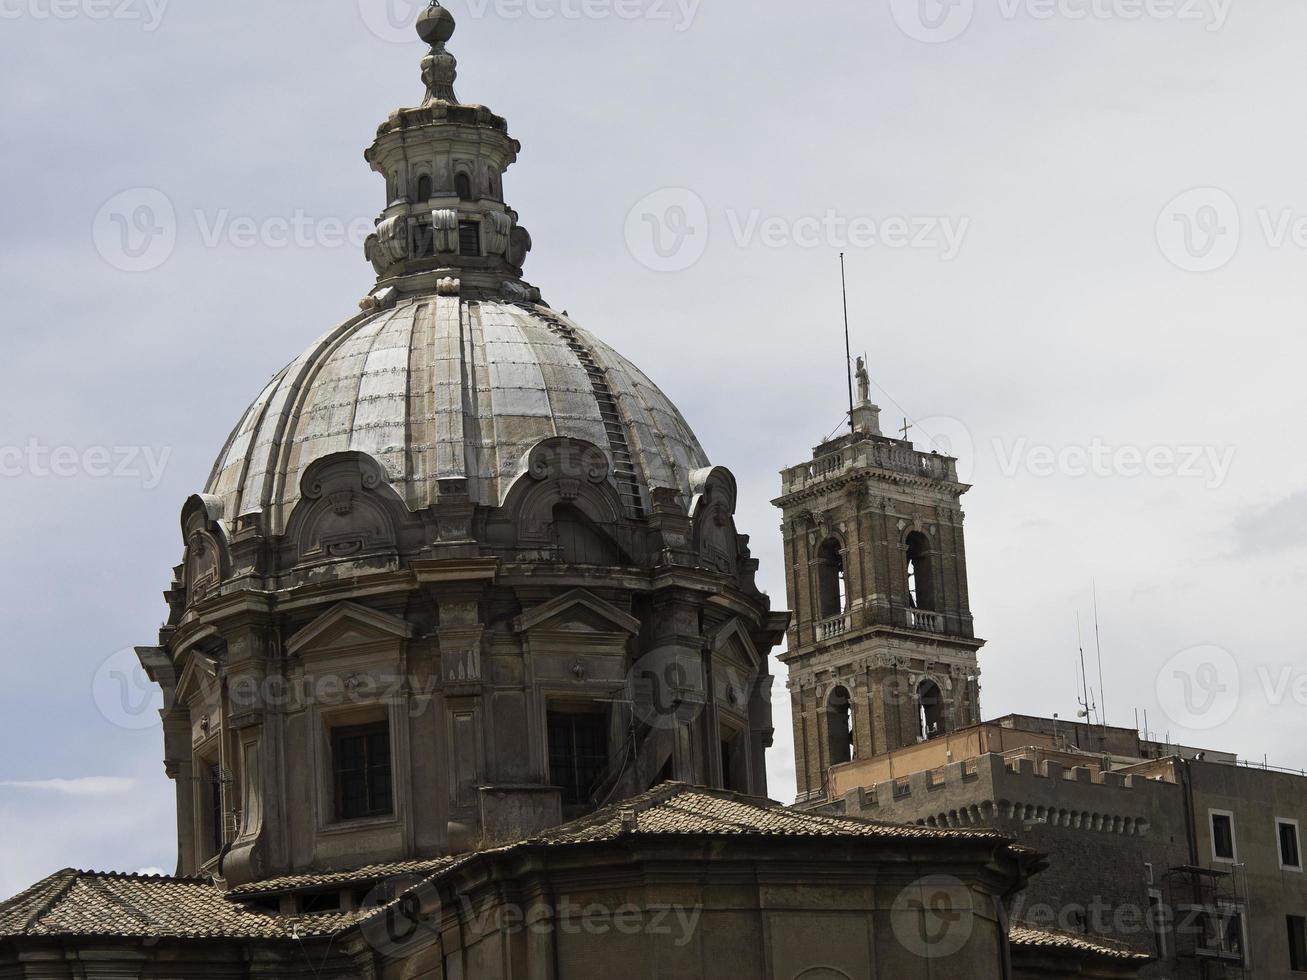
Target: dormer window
(469,238)
(463,187)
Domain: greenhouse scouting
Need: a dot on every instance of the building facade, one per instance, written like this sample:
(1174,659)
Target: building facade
(1190,857)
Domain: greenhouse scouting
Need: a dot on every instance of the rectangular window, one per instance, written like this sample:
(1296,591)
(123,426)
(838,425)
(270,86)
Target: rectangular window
(361,760)
(1290,845)
(1223,848)
(1297,943)
(578,754)
(469,238)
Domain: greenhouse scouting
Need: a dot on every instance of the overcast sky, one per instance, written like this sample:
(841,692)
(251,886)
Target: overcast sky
(1076,237)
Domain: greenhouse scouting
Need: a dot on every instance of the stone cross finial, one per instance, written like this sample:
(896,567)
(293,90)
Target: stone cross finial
(439,68)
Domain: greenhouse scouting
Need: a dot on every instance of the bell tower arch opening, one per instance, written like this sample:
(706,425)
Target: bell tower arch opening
(839,726)
(920,572)
(930,710)
(832,580)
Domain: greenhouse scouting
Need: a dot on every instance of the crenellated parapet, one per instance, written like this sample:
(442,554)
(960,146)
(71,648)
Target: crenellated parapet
(1018,795)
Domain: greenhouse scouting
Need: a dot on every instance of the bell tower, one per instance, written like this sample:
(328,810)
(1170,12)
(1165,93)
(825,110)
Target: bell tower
(881,650)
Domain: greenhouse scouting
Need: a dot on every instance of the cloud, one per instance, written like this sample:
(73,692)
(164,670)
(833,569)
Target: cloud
(1277,528)
(85,786)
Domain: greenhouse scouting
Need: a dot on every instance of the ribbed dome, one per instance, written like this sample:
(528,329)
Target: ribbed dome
(440,388)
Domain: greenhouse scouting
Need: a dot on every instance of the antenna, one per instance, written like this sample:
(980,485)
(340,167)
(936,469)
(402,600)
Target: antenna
(1087,706)
(1098,641)
(848,347)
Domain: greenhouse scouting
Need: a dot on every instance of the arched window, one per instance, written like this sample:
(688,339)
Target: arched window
(463,187)
(930,710)
(921,582)
(424,188)
(832,583)
(839,725)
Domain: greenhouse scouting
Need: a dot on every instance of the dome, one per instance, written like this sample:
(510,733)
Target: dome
(443,388)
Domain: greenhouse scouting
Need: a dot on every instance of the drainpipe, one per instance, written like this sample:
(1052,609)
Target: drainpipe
(1191,837)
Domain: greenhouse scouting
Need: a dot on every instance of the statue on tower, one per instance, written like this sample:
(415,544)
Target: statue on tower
(864,382)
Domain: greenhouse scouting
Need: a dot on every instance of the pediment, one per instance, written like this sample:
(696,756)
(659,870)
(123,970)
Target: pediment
(347,625)
(731,635)
(578,611)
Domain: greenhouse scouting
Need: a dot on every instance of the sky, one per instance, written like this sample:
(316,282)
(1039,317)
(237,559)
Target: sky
(1075,234)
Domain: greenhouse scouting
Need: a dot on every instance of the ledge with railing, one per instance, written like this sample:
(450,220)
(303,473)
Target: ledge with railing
(883,454)
(924,619)
(836,626)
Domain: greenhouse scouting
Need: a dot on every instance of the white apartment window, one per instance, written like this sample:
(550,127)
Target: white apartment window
(1286,831)
(1224,849)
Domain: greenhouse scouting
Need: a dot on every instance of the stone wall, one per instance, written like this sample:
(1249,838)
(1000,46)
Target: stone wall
(1101,831)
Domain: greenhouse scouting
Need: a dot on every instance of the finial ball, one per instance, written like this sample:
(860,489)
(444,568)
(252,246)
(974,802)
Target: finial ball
(436,24)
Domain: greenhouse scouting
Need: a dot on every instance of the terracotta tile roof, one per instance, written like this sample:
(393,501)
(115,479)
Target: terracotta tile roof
(675,808)
(82,903)
(327,879)
(1023,936)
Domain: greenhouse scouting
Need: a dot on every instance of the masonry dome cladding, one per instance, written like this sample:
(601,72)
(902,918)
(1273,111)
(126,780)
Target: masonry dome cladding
(447,388)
